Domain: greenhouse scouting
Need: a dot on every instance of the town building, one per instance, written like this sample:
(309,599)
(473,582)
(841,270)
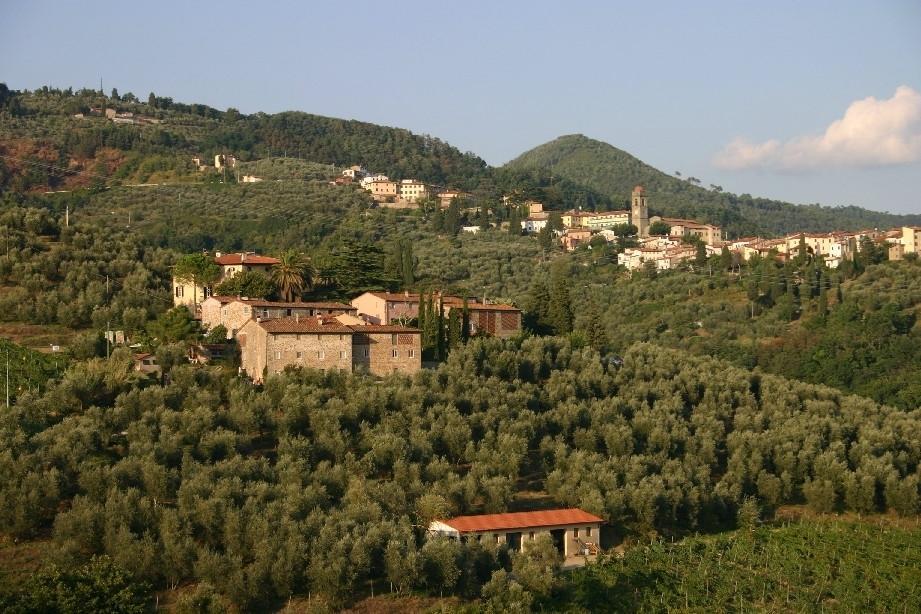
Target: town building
(445,197)
(191,295)
(267,347)
(382,349)
(605,219)
(708,233)
(535,222)
(534,207)
(495,319)
(639,211)
(573,531)
(382,189)
(412,190)
(232,312)
(354,172)
(389,307)
(911,239)
(574,237)
(147,364)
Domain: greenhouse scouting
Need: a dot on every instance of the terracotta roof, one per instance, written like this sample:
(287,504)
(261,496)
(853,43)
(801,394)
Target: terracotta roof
(228,259)
(303,305)
(383,328)
(304,325)
(521,520)
(411,297)
(488,307)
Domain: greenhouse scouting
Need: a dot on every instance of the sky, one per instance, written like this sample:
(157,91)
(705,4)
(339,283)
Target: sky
(804,101)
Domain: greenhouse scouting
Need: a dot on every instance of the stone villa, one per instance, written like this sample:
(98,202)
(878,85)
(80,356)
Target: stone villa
(322,342)
(232,312)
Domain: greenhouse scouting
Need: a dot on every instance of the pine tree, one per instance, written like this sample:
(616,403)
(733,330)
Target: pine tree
(560,309)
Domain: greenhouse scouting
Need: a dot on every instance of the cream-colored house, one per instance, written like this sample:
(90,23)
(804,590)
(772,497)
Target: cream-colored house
(412,190)
(605,219)
(190,295)
(911,239)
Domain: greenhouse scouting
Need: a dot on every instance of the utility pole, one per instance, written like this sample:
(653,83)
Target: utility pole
(67,216)
(7,378)
(108,330)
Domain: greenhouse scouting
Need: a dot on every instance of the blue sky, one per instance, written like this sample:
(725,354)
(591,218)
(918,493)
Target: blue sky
(739,94)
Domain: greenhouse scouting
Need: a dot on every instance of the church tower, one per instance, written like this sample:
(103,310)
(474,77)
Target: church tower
(639,212)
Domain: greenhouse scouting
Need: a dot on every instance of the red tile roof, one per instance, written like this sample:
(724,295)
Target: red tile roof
(328,325)
(228,259)
(304,325)
(521,520)
(302,305)
(485,307)
(383,328)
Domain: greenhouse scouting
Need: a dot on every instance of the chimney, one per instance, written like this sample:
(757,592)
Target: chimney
(217,254)
(242,257)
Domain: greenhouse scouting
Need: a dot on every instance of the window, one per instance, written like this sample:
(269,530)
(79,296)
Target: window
(412,353)
(496,538)
(367,352)
(297,337)
(299,354)
(395,353)
(288,312)
(531,535)
(278,355)
(575,533)
(179,290)
(393,340)
(341,353)
(588,531)
(321,354)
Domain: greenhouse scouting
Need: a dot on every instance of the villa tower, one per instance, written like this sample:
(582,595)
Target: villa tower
(639,212)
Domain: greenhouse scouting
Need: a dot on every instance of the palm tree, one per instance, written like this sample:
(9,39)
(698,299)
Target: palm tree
(292,275)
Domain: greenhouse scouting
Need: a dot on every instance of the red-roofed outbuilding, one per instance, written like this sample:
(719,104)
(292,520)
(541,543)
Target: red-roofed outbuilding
(574,531)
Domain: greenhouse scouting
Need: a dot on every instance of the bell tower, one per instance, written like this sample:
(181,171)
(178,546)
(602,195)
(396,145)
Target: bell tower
(639,212)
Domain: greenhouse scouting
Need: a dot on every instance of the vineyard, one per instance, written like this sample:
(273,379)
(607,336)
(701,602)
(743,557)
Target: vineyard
(801,567)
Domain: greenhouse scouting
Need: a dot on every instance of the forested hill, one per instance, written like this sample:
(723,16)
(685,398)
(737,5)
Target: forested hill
(40,128)
(611,172)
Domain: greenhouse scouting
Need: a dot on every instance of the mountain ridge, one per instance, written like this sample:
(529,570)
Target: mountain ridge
(612,172)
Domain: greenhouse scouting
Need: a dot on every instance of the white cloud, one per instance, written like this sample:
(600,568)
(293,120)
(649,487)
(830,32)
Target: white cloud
(871,133)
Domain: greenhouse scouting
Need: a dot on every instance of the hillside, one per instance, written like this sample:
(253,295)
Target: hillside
(43,144)
(612,173)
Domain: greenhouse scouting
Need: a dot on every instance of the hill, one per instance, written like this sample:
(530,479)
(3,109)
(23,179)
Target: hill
(612,173)
(49,135)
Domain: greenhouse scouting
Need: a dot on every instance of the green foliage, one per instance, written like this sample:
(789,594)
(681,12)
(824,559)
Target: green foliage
(174,325)
(659,228)
(806,566)
(97,586)
(172,481)
(292,275)
(251,284)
